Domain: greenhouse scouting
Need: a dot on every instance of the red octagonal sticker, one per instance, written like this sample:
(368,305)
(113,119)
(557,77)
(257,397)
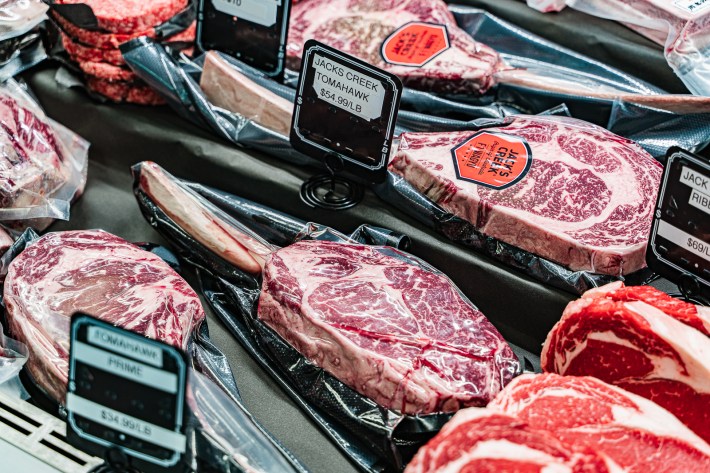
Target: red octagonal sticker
(491,159)
(415,44)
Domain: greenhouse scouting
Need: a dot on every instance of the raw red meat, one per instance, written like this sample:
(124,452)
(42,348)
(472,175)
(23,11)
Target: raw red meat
(586,413)
(33,164)
(96,39)
(486,441)
(649,348)
(108,72)
(359,28)
(100,274)
(129,92)
(364,28)
(396,332)
(693,315)
(80,53)
(129,16)
(586,201)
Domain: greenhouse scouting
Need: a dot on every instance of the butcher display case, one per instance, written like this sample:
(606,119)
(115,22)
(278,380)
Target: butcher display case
(523,309)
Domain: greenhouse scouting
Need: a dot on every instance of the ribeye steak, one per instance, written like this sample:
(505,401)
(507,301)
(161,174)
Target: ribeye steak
(102,275)
(486,441)
(585,199)
(641,340)
(586,413)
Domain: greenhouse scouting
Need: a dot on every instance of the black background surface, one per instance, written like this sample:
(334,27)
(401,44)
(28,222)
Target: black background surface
(123,135)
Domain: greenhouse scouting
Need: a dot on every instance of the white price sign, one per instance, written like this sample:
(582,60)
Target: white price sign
(348,89)
(262,12)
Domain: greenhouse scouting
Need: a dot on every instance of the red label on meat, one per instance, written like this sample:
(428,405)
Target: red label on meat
(415,44)
(494,160)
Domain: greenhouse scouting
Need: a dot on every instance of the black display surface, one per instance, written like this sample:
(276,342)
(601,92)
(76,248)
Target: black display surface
(122,135)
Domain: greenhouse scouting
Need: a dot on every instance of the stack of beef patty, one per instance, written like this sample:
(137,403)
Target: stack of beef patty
(96,53)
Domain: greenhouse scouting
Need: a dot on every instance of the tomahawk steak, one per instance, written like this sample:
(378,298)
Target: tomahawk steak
(642,341)
(557,187)
(419,41)
(486,441)
(100,274)
(377,319)
(587,413)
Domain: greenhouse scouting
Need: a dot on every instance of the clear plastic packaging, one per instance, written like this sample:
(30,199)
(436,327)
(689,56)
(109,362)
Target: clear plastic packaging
(44,164)
(21,44)
(177,79)
(225,425)
(682,27)
(17,17)
(13,356)
(375,437)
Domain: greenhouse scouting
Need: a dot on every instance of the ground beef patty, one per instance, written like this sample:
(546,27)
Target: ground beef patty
(129,16)
(108,72)
(118,91)
(96,39)
(81,53)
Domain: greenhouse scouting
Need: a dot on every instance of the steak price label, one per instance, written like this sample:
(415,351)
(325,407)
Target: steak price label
(494,160)
(345,113)
(126,393)
(348,89)
(415,44)
(679,244)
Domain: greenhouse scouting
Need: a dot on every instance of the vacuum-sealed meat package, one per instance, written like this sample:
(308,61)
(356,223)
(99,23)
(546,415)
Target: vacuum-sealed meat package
(682,27)
(50,278)
(21,45)
(42,165)
(379,347)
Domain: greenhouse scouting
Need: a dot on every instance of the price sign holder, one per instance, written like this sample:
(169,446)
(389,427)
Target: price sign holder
(344,117)
(679,246)
(253,31)
(126,398)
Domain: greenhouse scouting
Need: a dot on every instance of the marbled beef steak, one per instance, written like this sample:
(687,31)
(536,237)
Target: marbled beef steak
(102,275)
(642,340)
(551,423)
(487,441)
(585,200)
(397,333)
(359,27)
